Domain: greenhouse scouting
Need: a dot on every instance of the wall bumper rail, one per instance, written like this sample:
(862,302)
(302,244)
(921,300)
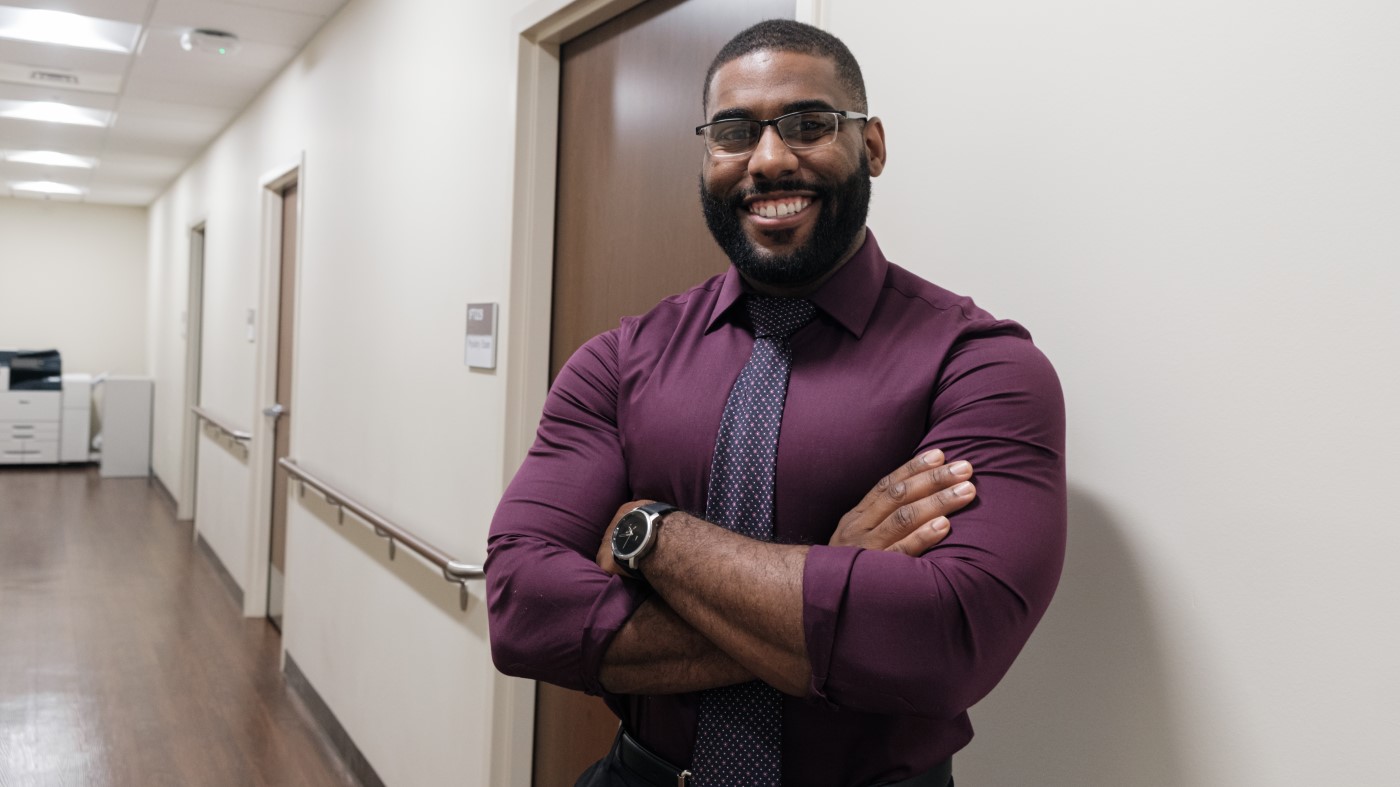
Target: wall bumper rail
(453,570)
(222,425)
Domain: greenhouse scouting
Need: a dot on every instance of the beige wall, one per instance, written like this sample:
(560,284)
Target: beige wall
(1191,205)
(73,278)
(402,113)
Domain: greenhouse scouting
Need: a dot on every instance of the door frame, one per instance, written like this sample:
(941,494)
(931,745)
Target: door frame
(262,455)
(540,31)
(194,363)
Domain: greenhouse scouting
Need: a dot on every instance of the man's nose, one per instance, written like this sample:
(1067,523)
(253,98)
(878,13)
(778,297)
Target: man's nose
(772,158)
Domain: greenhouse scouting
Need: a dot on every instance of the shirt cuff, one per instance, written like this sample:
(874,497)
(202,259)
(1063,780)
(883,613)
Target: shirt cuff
(610,611)
(825,577)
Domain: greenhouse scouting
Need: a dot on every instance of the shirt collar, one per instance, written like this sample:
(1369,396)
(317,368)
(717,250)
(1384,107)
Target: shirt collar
(848,297)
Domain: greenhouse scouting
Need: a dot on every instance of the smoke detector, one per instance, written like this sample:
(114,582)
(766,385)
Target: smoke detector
(210,42)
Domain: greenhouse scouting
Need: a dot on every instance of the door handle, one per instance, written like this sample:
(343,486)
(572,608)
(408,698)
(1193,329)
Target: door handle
(274,411)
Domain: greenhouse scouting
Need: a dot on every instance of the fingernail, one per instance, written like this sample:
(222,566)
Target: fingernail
(961,468)
(939,524)
(963,490)
(932,457)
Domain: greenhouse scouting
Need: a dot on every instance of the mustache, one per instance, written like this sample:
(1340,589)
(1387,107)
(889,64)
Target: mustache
(819,190)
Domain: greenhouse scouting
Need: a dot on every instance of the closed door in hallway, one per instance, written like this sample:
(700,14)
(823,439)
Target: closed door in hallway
(282,428)
(194,341)
(628,228)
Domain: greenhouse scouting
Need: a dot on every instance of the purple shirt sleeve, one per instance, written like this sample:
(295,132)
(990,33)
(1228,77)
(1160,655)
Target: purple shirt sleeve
(553,611)
(932,635)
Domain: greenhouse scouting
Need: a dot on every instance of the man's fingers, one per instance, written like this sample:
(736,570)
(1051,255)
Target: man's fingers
(908,518)
(919,491)
(891,483)
(923,538)
(918,487)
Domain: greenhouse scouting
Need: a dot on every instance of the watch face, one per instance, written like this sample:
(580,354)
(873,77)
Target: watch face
(630,534)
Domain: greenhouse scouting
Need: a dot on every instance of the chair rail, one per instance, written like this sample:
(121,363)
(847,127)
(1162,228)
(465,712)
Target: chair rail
(453,570)
(222,425)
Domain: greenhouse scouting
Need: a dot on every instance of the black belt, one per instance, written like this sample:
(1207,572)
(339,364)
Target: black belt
(661,773)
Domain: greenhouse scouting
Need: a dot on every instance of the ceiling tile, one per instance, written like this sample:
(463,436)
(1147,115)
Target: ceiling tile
(32,135)
(322,8)
(169,103)
(123,194)
(120,10)
(62,57)
(59,79)
(249,23)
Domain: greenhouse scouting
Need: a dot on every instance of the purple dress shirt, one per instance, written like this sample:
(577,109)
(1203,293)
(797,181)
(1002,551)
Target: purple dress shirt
(891,366)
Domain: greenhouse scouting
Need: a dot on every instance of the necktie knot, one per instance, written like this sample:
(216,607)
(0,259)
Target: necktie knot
(778,317)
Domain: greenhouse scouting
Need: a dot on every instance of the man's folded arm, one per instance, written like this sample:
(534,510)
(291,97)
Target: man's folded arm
(553,612)
(883,632)
(933,635)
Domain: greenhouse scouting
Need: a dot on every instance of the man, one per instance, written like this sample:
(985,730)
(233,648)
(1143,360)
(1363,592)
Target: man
(803,616)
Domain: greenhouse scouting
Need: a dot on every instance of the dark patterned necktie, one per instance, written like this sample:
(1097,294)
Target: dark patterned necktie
(738,742)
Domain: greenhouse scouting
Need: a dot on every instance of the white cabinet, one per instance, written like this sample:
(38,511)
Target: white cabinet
(29,426)
(126,426)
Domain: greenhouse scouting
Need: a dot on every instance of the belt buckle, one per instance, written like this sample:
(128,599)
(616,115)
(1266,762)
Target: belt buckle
(683,779)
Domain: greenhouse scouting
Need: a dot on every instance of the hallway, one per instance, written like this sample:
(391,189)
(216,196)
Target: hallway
(123,658)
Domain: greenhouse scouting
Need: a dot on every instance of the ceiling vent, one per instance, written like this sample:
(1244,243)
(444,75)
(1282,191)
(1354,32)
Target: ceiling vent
(54,78)
(211,42)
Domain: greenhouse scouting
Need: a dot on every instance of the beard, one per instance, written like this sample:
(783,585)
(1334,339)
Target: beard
(843,210)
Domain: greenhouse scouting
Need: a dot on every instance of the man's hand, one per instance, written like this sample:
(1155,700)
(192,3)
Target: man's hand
(908,509)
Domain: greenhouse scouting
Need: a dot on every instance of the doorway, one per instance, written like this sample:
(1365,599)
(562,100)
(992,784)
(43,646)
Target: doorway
(628,228)
(281,410)
(193,330)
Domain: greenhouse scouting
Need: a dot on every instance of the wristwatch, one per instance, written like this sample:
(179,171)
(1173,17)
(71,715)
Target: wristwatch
(635,534)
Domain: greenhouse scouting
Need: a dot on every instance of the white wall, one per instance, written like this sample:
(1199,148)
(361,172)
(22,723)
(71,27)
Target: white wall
(1194,208)
(403,112)
(72,278)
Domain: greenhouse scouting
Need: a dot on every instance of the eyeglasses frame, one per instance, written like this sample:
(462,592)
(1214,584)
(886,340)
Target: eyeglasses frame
(844,114)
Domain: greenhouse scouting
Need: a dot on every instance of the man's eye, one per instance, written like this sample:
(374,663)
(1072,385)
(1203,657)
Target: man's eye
(733,132)
(812,127)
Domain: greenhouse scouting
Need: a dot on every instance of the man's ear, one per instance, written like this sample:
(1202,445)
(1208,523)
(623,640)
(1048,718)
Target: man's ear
(875,145)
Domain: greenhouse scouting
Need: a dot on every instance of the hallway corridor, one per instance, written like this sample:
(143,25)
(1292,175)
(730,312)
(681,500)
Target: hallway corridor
(123,658)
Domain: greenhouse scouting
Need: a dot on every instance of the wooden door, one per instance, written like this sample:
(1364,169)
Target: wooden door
(282,426)
(628,228)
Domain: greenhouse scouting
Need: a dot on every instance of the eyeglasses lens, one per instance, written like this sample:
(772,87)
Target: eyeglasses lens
(798,130)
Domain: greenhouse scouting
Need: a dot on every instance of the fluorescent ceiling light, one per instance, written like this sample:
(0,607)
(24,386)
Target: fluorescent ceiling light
(50,158)
(54,112)
(47,187)
(65,29)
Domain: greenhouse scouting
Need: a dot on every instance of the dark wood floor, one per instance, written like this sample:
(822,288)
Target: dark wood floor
(123,660)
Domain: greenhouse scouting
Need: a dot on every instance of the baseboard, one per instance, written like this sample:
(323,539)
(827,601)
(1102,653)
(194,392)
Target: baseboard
(340,740)
(165,494)
(222,571)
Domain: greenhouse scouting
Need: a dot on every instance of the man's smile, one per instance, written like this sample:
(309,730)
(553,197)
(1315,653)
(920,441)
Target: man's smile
(779,212)
(775,208)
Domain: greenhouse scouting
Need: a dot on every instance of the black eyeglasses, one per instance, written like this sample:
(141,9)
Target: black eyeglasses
(805,129)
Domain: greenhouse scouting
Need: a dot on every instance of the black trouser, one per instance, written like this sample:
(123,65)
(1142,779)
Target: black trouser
(611,771)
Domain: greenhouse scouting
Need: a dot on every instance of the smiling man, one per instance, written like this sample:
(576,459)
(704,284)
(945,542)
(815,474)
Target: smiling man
(735,522)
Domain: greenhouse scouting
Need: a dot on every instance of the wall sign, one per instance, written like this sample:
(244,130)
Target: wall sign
(481,335)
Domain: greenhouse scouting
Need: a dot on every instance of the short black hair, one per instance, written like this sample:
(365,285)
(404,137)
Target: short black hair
(785,35)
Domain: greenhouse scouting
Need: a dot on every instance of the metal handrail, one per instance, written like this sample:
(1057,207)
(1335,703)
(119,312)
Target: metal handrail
(453,570)
(222,425)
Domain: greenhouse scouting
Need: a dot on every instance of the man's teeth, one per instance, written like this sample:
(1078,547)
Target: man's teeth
(772,209)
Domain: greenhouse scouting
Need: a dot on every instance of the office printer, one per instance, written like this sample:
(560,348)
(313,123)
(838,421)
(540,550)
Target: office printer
(33,370)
